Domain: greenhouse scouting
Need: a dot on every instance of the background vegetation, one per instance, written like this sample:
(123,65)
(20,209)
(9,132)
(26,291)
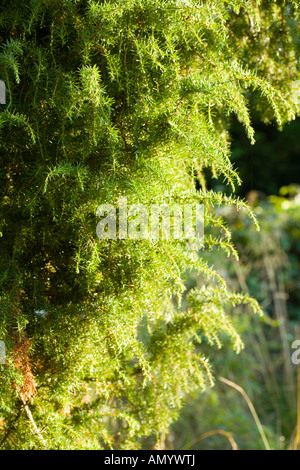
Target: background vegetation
(269,269)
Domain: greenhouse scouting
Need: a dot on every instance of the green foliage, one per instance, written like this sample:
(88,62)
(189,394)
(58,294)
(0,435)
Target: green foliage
(108,99)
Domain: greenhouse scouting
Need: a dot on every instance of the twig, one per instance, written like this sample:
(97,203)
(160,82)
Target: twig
(37,431)
(252,409)
(211,433)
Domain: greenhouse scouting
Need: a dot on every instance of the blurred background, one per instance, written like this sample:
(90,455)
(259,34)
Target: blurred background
(255,403)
